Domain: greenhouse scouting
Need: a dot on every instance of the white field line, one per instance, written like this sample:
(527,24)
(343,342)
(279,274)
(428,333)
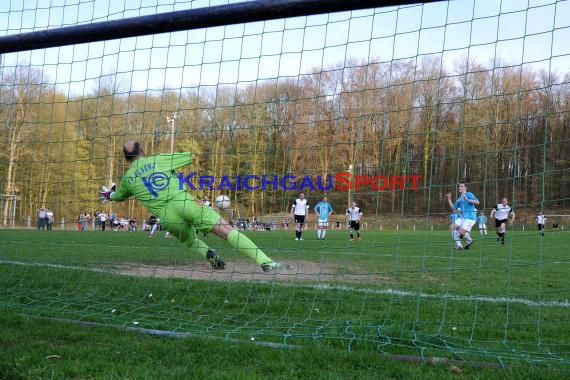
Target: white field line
(394,292)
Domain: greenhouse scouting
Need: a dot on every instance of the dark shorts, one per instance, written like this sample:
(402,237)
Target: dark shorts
(540,227)
(300,219)
(354,225)
(499,222)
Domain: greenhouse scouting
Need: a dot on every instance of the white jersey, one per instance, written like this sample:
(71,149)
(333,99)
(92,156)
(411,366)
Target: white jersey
(502,212)
(354,213)
(300,207)
(541,219)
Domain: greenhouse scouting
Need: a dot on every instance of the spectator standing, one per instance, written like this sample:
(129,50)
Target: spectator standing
(49,218)
(42,218)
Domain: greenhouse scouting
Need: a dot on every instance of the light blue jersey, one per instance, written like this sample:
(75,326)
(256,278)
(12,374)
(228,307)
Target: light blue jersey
(324,209)
(481,219)
(468,210)
(453,217)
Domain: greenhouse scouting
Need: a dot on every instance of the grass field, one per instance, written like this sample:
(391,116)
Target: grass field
(343,308)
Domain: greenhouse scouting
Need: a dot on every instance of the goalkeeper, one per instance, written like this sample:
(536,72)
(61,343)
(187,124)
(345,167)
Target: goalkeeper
(154,181)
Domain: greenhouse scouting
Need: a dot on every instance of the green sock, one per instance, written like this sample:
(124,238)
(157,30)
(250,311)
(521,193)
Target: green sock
(247,247)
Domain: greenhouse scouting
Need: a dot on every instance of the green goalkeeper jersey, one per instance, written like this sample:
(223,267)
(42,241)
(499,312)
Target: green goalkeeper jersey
(153,180)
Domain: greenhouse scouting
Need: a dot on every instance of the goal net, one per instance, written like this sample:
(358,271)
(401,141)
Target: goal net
(389,107)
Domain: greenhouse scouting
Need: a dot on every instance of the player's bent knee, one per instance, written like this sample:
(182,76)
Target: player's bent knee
(222,229)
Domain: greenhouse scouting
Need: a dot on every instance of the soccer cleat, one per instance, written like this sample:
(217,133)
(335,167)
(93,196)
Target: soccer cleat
(458,248)
(359,238)
(469,244)
(296,238)
(215,260)
(268,267)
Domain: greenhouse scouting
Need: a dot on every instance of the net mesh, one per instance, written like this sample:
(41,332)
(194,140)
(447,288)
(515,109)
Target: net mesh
(390,107)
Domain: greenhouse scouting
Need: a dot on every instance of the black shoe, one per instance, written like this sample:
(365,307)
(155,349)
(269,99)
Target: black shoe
(469,244)
(458,248)
(215,260)
(268,267)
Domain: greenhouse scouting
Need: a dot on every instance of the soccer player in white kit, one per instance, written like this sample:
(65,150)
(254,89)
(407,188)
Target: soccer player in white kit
(299,211)
(501,215)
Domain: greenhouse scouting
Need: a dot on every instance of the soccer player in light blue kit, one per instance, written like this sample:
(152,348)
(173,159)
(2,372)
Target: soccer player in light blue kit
(482,221)
(452,218)
(323,209)
(466,202)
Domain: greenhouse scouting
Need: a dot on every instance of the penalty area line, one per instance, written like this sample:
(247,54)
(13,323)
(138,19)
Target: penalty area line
(438,297)
(325,286)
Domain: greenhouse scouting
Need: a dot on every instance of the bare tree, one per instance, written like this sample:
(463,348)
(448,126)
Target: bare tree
(20,96)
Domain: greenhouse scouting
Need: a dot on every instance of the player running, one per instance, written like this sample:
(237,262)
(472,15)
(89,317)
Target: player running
(501,215)
(482,222)
(461,228)
(452,218)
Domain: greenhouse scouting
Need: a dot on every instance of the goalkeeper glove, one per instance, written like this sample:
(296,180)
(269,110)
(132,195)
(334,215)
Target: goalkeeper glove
(106,192)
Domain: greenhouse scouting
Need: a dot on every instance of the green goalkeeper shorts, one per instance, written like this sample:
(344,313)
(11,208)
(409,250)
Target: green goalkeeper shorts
(183,216)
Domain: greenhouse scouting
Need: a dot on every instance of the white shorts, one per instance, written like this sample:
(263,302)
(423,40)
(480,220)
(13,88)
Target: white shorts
(466,224)
(322,223)
(482,226)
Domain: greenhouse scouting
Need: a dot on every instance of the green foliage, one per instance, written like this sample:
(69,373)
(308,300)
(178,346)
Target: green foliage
(489,126)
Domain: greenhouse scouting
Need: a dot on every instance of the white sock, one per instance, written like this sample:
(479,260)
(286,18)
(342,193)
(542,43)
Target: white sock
(456,238)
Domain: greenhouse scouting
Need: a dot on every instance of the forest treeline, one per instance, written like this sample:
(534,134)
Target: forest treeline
(503,129)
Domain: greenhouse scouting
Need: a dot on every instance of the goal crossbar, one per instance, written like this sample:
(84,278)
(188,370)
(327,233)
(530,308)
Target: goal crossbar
(190,19)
